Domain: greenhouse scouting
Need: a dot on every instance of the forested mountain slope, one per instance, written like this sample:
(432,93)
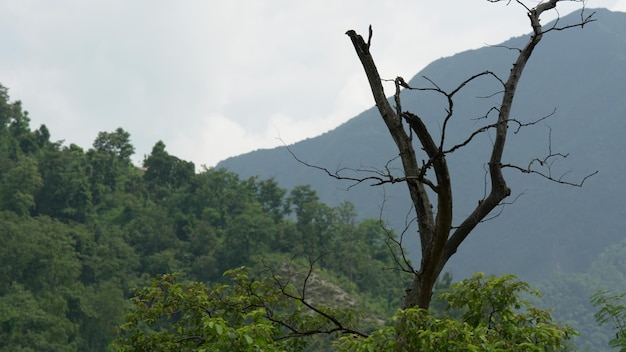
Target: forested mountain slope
(81,230)
(550,227)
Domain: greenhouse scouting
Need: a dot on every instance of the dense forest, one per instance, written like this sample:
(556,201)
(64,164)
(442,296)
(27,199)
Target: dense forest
(82,230)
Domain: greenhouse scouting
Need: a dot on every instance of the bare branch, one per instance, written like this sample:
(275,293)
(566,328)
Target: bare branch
(405,265)
(357,180)
(534,122)
(478,75)
(501,207)
(499,188)
(549,177)
(505,47)
(547,161)
(438,239)
(449,110)
(469,139)
(399,81)
(295,331)
(583,21)
(494,125)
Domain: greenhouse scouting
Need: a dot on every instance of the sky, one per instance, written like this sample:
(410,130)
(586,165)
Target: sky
(214,79)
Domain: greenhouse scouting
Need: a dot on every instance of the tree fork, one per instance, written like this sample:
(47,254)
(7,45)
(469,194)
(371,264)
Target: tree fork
(438,241)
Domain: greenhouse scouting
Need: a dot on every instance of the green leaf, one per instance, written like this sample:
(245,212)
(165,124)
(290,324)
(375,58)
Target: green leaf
(249,339)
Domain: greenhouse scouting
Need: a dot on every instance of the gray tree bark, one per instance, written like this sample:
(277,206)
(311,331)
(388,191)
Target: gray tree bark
(439,241)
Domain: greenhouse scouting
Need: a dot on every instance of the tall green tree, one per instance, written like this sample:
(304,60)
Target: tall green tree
(164,171)
(271,197)
(314,220)
(66,189)
(110,161)
(116,144)
(19,183)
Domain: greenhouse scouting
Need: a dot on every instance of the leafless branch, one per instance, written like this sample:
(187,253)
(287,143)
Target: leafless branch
(551,5)
(449,110)
(505,47)
(583,21)
(534,122)
(486,115)
(494,125)
(405,264)
(490,95)
(471,136)
(546,162)
(501,207)
(378,180)
(549,177)
(391,242)
(438,241)
(295,331)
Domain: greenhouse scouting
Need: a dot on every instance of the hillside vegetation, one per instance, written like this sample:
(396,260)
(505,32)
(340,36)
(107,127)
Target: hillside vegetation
(80,230)
(552,235)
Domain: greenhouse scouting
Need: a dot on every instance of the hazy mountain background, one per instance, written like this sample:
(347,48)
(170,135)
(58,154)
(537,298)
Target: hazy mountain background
(550,228)
(81,228)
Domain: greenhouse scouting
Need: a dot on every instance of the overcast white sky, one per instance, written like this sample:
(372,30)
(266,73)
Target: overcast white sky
(214,79)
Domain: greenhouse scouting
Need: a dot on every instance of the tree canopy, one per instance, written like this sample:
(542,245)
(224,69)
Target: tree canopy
(82,229)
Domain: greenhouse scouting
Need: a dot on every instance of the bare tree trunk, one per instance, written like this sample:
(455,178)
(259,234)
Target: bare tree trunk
(437,238)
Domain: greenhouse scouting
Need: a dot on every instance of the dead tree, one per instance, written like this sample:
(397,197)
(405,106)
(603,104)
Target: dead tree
(439,239)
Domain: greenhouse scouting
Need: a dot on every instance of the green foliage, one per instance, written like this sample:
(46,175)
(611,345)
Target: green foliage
(40,271)
(65,193)
(110,165)
(495,318)
(38,253)
(271,198)
(116,144)
(251,314)
(29,323)
(80,229)
(165,171)
(171,316)
(19,183)
(612,310)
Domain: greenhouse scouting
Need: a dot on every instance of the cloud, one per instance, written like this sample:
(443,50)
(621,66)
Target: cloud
(214,79)
(214,139)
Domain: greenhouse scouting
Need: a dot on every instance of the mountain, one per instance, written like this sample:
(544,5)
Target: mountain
(549,227)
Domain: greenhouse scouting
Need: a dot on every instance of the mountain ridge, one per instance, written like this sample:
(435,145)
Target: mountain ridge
(578,73)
